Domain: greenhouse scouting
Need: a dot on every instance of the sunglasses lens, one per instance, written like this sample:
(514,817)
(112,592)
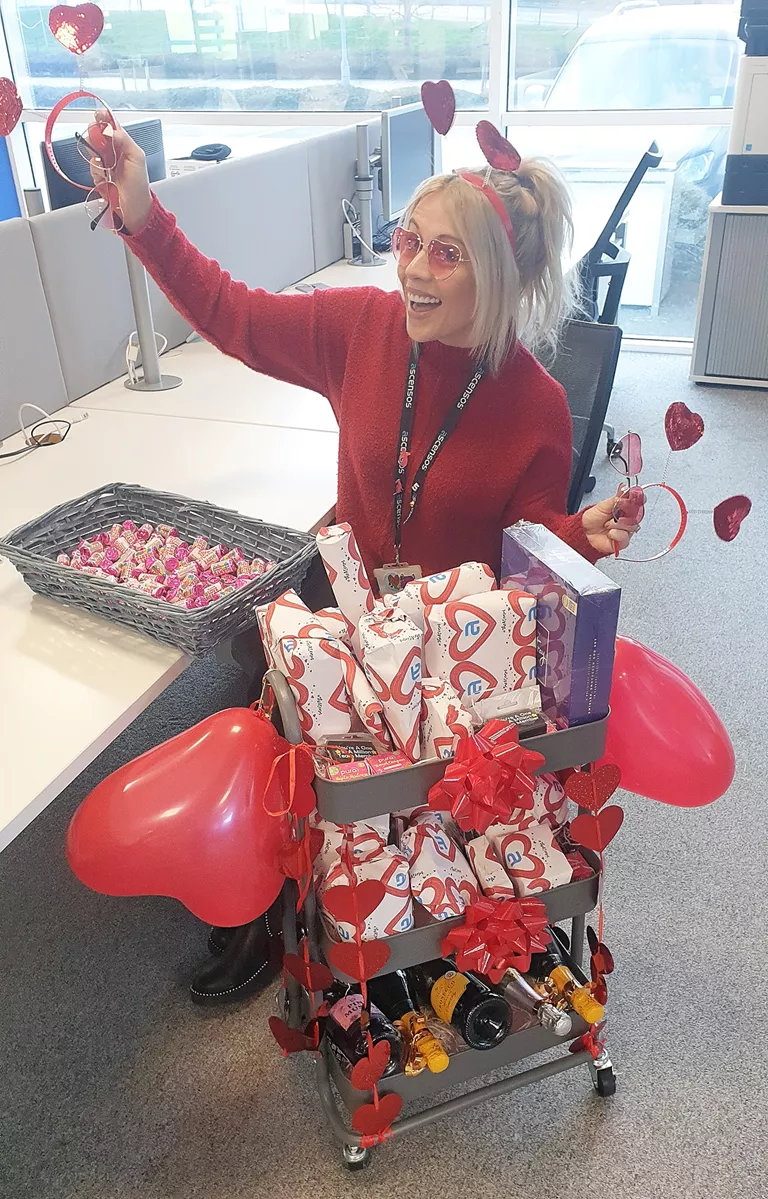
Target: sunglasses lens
(627,455)
(102,207)
(405,245)
(443,259)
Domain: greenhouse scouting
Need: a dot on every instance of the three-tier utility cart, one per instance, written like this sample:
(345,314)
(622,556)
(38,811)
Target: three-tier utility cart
(345,802)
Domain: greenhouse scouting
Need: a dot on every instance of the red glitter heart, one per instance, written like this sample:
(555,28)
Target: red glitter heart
(291,857)
(77,27)
(597,832)
(500,153)
(372,1121)
(682,427)
(370,1069)
(314,976)
(439,104)
(359,961)
(342,901)
(10,107)
(729,514)
(593,789)
(290,1040)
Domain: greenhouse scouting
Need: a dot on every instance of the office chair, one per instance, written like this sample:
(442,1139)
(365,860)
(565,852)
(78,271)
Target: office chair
(584,365)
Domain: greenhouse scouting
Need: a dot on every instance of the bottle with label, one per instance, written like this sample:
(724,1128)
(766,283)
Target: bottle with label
(521,997)
(346,1032)
(551,975)
(481,1015)
(396,997)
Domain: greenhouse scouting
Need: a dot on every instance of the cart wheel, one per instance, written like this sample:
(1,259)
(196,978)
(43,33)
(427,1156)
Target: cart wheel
(356,1158)
(604,1081)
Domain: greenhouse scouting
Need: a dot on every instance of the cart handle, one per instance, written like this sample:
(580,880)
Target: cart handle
(286,706)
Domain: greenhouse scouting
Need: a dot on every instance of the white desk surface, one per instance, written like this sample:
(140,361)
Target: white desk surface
(69,682)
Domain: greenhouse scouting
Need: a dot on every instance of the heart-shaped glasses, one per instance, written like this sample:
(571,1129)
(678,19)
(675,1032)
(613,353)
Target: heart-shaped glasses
(443,257)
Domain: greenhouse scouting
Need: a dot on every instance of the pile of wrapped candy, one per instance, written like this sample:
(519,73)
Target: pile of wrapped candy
(422,856)
(157,561)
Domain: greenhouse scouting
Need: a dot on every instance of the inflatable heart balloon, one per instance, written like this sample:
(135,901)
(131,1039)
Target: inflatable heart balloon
(187,820)
(665,737)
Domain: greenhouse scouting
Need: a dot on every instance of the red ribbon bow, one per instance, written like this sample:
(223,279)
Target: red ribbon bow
(490,777)
(498,934)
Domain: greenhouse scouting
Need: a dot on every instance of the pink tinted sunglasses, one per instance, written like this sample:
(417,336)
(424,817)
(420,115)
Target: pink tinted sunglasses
(443,257)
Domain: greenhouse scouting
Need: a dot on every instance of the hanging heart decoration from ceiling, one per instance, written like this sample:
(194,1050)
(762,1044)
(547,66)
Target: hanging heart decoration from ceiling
(77,27)
(10,107)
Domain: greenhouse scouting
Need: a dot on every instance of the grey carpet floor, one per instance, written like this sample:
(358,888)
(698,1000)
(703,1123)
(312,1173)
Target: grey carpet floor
(115,1087)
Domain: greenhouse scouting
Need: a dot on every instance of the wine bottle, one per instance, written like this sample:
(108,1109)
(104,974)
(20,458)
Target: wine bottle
(395,996)
(520,995)
(481,1015)
(550,970)
(346,1032)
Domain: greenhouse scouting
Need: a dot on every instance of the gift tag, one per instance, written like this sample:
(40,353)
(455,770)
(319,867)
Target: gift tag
(396,576)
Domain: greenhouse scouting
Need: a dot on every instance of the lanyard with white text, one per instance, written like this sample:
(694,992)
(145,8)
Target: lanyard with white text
(403,450)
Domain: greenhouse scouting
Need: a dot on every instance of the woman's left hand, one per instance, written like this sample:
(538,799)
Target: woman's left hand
(607,535)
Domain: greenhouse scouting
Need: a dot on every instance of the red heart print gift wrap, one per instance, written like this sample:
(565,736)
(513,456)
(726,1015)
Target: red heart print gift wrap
(391,646)
(287,616)
(347,576)
(471,578)
(443,720)
(367,839)
(441,878)
(394,914)
(485,646)
(532,858)
(488,869)
(314,670)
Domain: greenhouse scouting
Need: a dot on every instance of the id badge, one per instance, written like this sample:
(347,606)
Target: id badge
(393,578)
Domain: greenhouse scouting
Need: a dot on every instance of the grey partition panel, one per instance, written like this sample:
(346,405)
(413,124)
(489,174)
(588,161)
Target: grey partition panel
(331,160)
(30,371)
(738,341)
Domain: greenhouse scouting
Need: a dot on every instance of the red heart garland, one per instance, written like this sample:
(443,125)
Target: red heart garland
(590,1040)
(500,153)
(599,990)
(373,1120)
(293,1040)
(602,958)
(10,107)
(729,514)
(342,900)
(597,832)
(592,789)
(359,962)
(314,976)
(367,1072)
(439,103)
(76,27)
(682,427)
(291,860)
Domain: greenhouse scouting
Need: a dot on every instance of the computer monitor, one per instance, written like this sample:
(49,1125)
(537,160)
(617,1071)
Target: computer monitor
(62,194)
(410,153)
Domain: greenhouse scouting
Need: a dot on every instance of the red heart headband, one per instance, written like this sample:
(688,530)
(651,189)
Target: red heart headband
(439,103)
(54,115)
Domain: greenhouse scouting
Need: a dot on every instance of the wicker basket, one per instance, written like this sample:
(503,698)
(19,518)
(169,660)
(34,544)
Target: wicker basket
(33,548)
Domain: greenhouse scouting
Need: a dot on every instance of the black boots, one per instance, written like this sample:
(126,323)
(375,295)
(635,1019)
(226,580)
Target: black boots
(248,958)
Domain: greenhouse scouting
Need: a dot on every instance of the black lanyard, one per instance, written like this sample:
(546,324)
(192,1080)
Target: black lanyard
(404,442)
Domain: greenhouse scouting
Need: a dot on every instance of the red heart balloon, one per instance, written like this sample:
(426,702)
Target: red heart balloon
(292,1040)
(372,1121)
(291,858)
(10,107)
(314,976)
(439,103)
(342,900)
(187,820)
(500,153)
(346,957)
(729,514)
(591,790)
(367,1072)
(77,27)
(682,427)
(597,832)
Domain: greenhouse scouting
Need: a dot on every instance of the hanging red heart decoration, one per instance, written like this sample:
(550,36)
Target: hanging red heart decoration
(500,153)
(10,107)
(358,961)
(373,1120)
(590,1040)
(291,857)
(292,1040)
(313,976)
(597,832)
(682,427)
(367,1072)
(729,514)
(77,27)
(352,905)
(439,103)
(602,959)
(591,789)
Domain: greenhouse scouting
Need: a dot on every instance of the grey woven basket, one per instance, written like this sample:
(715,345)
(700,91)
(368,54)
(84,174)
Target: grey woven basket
(33,547)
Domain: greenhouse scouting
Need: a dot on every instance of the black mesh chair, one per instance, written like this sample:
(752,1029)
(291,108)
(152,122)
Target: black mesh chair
(585,365)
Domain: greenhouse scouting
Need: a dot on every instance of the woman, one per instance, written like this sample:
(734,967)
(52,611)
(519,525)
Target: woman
(478,272)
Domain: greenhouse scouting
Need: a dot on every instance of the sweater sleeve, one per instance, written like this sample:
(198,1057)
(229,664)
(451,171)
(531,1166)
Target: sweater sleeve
(297,338)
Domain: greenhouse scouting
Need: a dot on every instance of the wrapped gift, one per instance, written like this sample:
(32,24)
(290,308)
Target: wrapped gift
(532,858)
(550,806)
(346,573)
(441,879)
(489,872)
(314,669)
(471,578)
(287,616)
(333,621)
(391,648)
(363,698)
(395,912)
(443,720)
(368,838)
(484,646)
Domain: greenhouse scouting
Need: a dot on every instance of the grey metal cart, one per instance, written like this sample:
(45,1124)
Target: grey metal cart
(345,802)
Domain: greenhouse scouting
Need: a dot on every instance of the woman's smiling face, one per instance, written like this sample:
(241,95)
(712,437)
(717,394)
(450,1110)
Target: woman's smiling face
(437,309)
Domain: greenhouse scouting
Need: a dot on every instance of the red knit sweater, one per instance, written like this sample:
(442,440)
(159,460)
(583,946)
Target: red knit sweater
(508,459)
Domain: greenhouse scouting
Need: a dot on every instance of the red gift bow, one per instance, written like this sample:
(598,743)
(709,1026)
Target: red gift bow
(498,934)
(491,776)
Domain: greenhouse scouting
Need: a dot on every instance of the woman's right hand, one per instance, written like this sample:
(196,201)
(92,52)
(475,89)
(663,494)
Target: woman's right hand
(129,175)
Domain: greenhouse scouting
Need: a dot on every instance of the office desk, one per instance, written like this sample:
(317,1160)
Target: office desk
(69,682)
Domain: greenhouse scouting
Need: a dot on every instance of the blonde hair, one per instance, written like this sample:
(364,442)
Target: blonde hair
(523,296)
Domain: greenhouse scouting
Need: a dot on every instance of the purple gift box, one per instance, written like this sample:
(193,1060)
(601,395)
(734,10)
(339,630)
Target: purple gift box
(577,612)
